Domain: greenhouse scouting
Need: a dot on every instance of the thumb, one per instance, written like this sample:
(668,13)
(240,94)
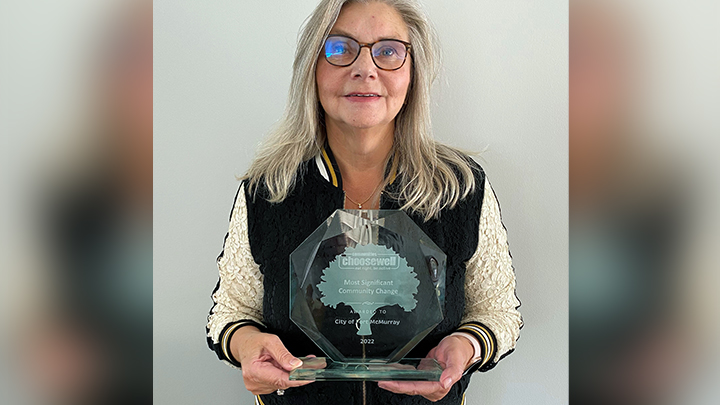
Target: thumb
(278,352)
(452,374)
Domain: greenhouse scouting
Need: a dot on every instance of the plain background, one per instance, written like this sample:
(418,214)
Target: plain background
(222,70)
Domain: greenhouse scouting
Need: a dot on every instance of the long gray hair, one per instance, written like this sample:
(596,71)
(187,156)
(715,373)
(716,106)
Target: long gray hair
(433,176)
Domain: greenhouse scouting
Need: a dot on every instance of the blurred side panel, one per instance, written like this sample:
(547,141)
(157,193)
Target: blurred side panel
(76,201)
(644,198)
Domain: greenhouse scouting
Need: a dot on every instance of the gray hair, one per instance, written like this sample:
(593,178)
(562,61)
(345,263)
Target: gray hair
(432,176)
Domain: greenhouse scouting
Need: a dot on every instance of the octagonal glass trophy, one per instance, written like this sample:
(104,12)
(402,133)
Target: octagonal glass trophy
(367,286)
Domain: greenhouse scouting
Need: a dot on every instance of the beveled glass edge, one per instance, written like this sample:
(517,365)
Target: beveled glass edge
(370,370)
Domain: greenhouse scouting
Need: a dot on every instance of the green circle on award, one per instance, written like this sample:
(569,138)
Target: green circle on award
(367,286)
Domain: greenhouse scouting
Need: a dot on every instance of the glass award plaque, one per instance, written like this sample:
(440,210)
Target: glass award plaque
(367,286)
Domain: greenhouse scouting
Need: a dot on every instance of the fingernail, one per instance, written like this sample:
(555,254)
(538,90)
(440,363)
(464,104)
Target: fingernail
(295,363)
(447,383)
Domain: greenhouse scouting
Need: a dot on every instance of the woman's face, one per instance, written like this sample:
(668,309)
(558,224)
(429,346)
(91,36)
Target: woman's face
(338,86)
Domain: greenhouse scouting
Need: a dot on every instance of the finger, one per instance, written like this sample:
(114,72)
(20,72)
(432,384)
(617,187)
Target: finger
(453,371)
(296,383)
(423,388)
(275,378)
(394,386)
(429,363)
(272,386)
(450,377)
(278,351)
(259,389)
(262,389)
(315,363)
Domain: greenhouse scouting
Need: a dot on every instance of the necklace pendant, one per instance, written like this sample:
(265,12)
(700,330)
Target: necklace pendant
(359,206)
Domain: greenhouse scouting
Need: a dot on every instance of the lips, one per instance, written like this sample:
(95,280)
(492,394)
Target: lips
(362,95)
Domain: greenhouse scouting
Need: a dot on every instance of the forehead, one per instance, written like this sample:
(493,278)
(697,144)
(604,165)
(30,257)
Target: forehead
(370,22)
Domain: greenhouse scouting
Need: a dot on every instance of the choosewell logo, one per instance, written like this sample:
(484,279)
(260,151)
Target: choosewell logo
(387,261)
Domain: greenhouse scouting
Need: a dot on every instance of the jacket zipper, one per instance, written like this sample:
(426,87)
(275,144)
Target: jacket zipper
(364,383)
(364,387)
(364,394)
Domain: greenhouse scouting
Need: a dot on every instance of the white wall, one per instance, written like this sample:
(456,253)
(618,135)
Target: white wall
(222,70)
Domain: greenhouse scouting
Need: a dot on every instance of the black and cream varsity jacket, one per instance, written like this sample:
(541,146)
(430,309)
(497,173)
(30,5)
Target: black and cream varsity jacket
(253,283)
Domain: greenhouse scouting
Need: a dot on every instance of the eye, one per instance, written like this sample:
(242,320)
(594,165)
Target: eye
(339,49)
(386,52)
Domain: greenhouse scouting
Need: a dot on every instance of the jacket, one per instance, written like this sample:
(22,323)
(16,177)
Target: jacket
(253,285)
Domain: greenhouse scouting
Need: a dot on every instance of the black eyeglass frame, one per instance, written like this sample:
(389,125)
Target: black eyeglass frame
(408,49)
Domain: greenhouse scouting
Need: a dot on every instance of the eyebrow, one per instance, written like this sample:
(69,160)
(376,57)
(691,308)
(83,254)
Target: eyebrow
(347,34)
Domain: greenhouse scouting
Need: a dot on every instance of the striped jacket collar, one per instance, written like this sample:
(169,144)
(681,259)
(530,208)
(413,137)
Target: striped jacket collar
(328,167)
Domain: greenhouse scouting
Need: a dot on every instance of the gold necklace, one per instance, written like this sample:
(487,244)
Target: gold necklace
(366,200)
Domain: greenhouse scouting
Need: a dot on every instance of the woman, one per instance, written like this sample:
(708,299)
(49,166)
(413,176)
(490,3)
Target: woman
(356,134)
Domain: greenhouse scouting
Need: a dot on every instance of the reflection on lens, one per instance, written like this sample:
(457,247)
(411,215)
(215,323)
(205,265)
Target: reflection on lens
(341,51)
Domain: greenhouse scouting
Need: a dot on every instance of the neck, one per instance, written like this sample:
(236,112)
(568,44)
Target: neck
(360,150)
(361,155)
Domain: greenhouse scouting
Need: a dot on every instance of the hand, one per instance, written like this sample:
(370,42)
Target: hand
(455,352)
(265,361)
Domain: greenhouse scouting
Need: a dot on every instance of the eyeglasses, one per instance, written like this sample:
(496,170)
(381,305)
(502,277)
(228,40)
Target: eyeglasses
(387,54)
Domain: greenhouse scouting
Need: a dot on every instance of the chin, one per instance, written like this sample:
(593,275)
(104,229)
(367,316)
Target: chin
(365,125)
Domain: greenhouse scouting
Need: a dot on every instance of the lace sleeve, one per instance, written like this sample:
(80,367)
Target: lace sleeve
(238,297)
(490,300)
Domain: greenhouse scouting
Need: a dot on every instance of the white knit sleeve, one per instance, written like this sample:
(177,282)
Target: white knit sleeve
(240,291)
(490,280)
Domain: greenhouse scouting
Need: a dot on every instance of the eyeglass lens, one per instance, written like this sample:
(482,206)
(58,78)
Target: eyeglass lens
(387,54)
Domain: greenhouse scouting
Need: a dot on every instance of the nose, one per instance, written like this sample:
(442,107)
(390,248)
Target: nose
(364,67)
